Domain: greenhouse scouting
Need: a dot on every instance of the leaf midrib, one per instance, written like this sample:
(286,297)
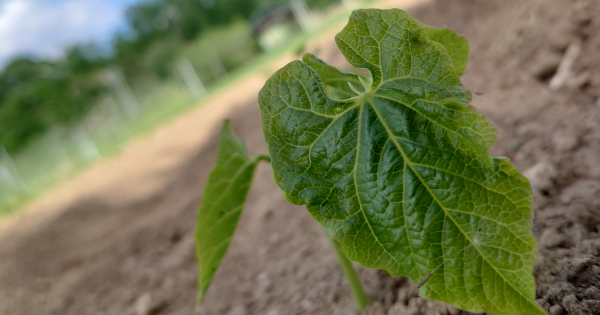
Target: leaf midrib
(362,211)
(409,163)
(235,176)
(406,160)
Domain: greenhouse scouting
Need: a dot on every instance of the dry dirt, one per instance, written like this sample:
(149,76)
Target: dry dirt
(123,244)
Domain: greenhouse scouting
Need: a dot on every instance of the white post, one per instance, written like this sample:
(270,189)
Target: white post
(217,68)
(13,172)
(347,3)
(88,147)
(189,75)
(117,82)
(61,145)
(6,178)
(303,15)
(116,119)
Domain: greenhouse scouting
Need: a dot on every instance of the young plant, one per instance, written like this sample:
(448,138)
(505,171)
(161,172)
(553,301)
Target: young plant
(396,167)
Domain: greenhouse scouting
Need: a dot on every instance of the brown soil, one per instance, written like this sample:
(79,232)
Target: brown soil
(124,245)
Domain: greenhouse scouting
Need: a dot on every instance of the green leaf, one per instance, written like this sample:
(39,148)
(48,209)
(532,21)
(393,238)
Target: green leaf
(335,82)
(456,46)
(402,175)
(222,204)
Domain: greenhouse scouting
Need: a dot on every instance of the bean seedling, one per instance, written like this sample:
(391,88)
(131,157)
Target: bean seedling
(396,166)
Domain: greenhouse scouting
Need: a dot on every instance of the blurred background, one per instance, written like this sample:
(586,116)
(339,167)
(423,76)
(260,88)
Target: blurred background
(80,78)
(109,113)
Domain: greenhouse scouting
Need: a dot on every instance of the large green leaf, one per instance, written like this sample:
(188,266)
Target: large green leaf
(401,175)
(222,204)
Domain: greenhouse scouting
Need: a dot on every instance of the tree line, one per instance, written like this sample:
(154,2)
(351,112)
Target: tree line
(36,94)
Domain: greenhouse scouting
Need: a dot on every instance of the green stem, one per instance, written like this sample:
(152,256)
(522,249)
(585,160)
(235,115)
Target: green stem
(359,294)
(264,157)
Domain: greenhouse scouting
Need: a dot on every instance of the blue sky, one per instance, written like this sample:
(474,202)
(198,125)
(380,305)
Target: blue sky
(44,28)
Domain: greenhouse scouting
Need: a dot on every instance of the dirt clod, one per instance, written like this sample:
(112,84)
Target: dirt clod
(541,176)
(551,239)
(556,310)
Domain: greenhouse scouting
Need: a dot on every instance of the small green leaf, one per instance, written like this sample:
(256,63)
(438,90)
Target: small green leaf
(222,204)
(401,175)
(335,82)
(456,46)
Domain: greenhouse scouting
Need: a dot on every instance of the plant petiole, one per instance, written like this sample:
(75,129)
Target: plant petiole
(357,290)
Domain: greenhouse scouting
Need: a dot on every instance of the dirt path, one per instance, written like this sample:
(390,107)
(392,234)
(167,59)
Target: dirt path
(119,236)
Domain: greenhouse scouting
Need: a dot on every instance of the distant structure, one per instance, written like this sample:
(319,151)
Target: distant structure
(273,26)
(265,17)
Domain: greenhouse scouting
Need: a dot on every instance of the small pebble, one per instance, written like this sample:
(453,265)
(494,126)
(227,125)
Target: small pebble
(143,304)
(556,310)
(551,238)
(541,176)
(453,310)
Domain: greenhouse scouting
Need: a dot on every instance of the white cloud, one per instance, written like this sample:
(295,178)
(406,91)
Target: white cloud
(43,28)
